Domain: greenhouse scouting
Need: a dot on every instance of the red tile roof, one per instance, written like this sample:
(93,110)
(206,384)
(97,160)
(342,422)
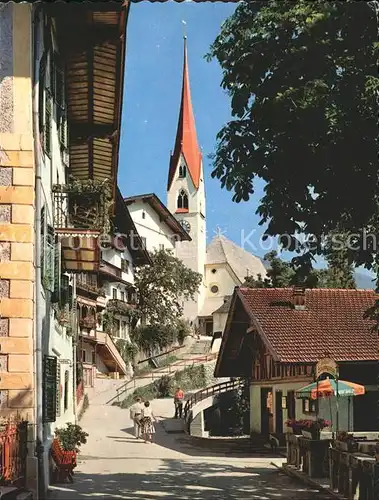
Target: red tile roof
(186,138)
(331,323)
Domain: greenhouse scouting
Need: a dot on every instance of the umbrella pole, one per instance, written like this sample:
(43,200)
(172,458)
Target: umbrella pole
(348,414)
(337,408)
(331,416)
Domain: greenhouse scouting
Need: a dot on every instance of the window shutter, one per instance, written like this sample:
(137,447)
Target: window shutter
(41,91)
(49,389)
(59,81)
(52,82)
(56,297)
(47,124)
(58,391)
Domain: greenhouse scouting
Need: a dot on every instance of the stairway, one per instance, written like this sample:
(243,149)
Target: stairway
(199,348)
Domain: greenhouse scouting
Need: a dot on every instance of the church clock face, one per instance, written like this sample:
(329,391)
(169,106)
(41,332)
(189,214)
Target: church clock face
(185,225)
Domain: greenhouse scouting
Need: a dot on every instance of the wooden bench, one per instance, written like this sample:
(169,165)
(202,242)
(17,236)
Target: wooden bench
(65,462)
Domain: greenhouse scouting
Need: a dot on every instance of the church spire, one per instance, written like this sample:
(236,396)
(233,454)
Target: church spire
(186,138)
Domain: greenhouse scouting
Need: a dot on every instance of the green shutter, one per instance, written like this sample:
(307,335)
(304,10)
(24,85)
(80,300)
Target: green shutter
(41,92)
(49,387)
(47,124)
(58,391)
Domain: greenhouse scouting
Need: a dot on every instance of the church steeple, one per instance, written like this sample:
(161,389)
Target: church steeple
(186,143)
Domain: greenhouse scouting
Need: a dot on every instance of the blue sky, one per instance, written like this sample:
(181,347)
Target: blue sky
(153,78)
(153,81)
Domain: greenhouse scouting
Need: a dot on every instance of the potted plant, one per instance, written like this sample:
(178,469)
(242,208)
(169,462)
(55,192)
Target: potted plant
(294,425)
(71,437)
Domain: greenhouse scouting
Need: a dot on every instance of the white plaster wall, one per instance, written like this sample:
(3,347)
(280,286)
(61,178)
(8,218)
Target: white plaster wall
(155,231)
(114,256)
(324,407)
(191,253)
(219,321)
(57,343)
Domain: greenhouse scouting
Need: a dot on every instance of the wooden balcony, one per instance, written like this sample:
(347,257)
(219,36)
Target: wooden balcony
(81,214)
(110,354)
(110,270)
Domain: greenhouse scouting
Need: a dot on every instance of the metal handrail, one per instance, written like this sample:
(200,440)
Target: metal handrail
(170,370)
(210,391)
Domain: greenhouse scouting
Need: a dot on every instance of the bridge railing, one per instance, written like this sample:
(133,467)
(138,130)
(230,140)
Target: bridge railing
(198,396)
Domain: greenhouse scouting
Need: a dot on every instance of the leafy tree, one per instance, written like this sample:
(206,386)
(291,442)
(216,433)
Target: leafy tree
(281,274)
(163,286)
(302,78)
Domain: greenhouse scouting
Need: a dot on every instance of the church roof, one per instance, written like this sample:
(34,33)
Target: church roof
(186,143)
(221,250)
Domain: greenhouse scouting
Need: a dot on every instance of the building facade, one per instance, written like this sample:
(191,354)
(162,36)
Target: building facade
(58,151)
(275,337)
(156,225)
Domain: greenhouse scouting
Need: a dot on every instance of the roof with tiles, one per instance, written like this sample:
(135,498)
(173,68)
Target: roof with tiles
(332,322)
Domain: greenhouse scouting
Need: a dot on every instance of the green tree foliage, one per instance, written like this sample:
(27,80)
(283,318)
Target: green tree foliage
(281,274)
(302,78)
(163,286)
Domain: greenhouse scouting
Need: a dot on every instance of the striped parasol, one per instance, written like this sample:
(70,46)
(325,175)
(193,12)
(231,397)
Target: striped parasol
(328,387)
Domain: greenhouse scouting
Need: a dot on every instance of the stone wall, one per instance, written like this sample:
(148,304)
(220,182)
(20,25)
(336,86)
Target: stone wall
(16,213)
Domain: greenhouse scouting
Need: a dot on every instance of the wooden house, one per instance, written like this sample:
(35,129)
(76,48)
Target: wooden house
(274,337)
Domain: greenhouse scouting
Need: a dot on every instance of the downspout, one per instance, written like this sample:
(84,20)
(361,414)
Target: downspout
(38,355)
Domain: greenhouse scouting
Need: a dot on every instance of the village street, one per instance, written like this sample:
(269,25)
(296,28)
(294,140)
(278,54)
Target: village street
(114,465)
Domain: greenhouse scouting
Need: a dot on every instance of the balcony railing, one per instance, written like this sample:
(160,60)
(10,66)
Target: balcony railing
(110,269)
(88,322)
(82,205)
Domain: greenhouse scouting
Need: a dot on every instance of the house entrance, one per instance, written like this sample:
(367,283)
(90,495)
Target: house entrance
(267,417)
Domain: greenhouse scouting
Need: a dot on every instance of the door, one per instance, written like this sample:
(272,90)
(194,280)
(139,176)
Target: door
(291,405)
(278,412)
(266,411)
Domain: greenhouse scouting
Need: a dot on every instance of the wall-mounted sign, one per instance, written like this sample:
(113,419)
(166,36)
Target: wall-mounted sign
(326,366)
(284,402)
(65,361)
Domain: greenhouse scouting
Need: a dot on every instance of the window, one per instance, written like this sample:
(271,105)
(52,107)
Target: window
(182,200)
(143,240)
(309,406)
(114,293)
(66,389)
(124,265)
(83,355)
(143,215)
(116,331)
(161,246)
(214,271)
(48,253)
(94,357)
(123,296)
(182,171)
(214,289)
(123,329)
(291,404)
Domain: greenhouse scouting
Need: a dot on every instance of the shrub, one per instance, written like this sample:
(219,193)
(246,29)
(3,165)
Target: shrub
(71,437)
(164,386)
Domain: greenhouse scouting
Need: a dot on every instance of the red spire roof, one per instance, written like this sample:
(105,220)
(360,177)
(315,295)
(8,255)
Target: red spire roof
(186,138)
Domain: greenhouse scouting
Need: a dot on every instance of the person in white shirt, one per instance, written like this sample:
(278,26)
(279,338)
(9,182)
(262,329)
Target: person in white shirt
(147,425)
(136,413)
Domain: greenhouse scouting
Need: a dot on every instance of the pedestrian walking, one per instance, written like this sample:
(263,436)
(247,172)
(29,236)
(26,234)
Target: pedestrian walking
(178,402)
(136,411)
(147,422)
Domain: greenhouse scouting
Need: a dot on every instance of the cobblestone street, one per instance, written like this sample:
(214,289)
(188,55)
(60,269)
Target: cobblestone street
(113,464)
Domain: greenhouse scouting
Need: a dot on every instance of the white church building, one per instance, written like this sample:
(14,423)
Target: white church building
(223,264)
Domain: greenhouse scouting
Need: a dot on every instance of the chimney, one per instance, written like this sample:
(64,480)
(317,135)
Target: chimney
(298,298)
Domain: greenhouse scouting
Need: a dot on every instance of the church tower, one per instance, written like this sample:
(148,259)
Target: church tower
(186,193)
